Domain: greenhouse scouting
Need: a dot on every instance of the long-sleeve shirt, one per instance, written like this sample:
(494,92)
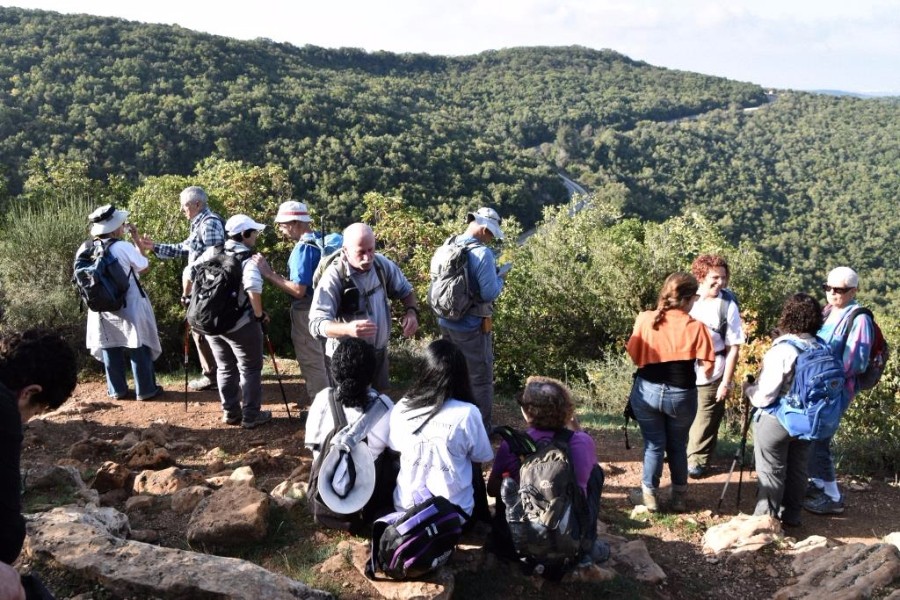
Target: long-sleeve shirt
(207,230)
(859,342)
(776,374)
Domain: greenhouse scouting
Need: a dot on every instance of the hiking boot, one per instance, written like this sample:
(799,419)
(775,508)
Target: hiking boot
(232,419)
(159,391)
(824,505)
(696,472)
(679,503)
(262,417)
(813,491)
(641,497)
(202,383)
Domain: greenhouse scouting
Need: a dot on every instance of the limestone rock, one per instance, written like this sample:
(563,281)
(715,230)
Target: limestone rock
(741,534)
(140,503)
(148,536)
(438,586)
(242,476)
(158,433)
(110,476)
(288,493)
(128,569)
(147,455)
(128,440)
(635,556)
(59,483)
(849,571)
(167,481)
(186,500)
(233,515)
(113,497)
(590,574)
(90,448)
(893,538)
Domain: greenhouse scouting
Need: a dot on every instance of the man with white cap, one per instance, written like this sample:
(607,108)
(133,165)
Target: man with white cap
(473,333)
(239,351)
(353,298)
(207,231)
(822,494)
(294,222)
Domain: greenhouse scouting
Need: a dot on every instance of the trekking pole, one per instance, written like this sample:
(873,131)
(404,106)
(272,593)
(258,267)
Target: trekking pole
(739,453)
(277,374)
(187,337)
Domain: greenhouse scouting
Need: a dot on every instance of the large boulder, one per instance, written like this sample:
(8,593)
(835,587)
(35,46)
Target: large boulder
(743,533)
(166,482)
(78,541)
(233,515)
(850,571)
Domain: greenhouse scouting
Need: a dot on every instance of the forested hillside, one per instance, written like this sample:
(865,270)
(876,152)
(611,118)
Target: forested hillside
(811,180)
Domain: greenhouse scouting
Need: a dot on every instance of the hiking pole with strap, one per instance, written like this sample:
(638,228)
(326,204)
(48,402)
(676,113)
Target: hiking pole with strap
(275,366)
(187,337)
(739,453)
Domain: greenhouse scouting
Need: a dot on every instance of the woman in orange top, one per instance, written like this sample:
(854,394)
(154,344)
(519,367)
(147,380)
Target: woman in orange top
(664,345)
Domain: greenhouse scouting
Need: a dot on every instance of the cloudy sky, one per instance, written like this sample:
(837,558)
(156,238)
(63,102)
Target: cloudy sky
(850,45)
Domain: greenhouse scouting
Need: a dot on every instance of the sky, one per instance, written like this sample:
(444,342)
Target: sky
(847,45)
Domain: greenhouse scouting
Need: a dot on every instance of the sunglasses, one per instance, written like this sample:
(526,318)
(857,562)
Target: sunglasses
(836,290)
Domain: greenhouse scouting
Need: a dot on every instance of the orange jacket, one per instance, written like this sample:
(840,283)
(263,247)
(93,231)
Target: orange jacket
(679,337)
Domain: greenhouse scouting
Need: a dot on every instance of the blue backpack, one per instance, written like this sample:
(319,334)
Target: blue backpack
(813,407)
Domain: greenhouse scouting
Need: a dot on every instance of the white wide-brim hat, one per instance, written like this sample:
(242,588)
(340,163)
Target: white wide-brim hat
(106,219)
(292,211)
(241,223)
(361,484)
(487,217)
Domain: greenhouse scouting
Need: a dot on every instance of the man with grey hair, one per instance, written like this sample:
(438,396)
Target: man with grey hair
(822,494)
(207,230)
(352,299)
(473,333)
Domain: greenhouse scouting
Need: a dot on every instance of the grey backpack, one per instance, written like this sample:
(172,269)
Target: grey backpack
(449,294)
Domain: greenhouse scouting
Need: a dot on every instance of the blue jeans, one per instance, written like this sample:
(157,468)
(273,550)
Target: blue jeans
(665,414)
(821,463)
(141,368)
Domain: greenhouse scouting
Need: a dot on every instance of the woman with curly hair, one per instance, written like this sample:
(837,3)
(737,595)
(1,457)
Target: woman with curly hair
(781,460)
(665,344)
(437,429)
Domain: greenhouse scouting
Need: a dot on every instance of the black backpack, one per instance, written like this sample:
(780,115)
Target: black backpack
(548,515)
(214,307)
(98,276)
(410,544)
(320,512)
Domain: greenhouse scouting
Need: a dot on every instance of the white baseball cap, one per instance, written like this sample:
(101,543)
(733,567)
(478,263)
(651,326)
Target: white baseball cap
(292,211)
(241,223)
(489,218)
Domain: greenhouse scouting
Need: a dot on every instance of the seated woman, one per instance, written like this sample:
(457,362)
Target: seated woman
(352,368)
(548,408)
(781,461)
(438,431)
(665,345)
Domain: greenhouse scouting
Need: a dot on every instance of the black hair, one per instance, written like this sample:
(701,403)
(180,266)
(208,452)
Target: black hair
(444,375)
(801,313)
(239,237)
(38,357)
(352,369)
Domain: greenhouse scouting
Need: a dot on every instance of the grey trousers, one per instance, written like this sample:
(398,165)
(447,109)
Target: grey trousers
(309,351)
(205,355)
(478,348)
(704,432)
(780,468)
(239,355)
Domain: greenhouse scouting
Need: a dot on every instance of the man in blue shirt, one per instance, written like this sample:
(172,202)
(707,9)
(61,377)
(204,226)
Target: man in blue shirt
(473,332)
(294,222)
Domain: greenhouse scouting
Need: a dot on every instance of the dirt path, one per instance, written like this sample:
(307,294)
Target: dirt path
(674,541)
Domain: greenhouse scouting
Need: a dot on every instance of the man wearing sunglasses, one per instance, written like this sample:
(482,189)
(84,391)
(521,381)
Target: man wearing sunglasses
(822,494)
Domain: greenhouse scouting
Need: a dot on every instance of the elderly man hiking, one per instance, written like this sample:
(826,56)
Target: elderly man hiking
(294,222)
(207,230)
(353,299)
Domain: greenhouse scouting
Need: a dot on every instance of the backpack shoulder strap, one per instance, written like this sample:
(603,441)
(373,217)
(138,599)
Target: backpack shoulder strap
(338,417)
(520,443)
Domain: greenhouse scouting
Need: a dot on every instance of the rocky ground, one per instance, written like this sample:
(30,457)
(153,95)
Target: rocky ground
(91,429)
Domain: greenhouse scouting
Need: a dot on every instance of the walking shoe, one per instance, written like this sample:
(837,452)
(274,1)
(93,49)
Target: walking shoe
(640,497)
(202,383)
(263,416)
(824,505)
(232,419)
(159,391)
(679,503)
(696,472)
(813,491)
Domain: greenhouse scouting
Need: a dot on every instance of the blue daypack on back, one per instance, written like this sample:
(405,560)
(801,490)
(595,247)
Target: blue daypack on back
(813,407)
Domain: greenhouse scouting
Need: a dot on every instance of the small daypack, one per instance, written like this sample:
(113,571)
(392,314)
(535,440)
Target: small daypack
(98,276)
(215,307)
(410,544)
(878,355)
(449,293)
(548,523)
(813,407)
(329,249)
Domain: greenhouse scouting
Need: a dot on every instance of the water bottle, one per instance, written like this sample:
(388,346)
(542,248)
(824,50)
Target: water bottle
(509,493)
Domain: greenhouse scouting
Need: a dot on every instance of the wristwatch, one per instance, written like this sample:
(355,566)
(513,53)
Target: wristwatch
(413,309)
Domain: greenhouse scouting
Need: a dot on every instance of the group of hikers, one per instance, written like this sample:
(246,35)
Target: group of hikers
(397,470)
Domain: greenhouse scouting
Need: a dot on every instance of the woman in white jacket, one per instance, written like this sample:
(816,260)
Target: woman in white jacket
(133,327)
